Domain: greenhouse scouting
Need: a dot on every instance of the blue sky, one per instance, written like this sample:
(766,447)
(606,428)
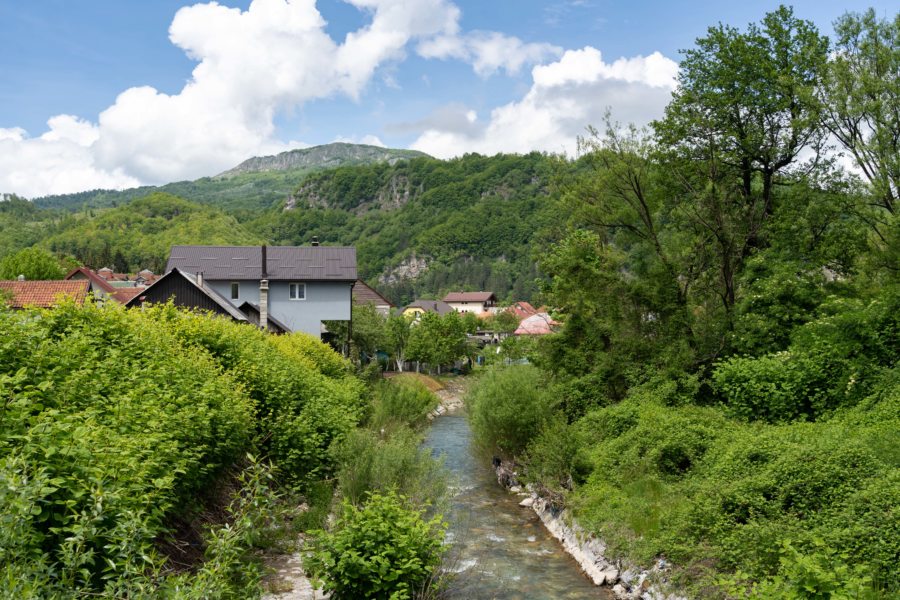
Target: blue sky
(443,76)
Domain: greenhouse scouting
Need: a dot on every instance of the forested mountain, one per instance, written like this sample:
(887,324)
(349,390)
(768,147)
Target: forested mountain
(255,184)
(425,226)
(422,226)
(139,234)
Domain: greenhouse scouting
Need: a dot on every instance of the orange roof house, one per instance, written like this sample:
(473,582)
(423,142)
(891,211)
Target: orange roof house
(44,294)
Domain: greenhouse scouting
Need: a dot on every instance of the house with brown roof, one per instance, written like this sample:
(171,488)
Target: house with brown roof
(364,294)
(298,286)
(42,294)
(473,302)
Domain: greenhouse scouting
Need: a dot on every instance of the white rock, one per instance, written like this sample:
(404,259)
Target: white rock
(527,502)
(611,576)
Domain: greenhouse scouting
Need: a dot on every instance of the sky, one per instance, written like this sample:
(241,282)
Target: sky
(120,93)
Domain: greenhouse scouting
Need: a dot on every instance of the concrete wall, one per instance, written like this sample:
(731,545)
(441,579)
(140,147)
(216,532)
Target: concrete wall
(325,301)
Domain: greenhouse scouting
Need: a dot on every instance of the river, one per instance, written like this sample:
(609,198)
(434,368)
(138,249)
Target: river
(499,549)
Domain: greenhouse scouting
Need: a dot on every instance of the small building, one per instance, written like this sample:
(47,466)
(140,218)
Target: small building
(537,324)
(472,302)
(98,286)
(522,310)
(43,294)
(364,294)
(419,307)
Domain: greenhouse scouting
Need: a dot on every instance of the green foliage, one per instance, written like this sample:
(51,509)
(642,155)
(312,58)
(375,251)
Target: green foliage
(438,340)
(382,550)
(373,461)
(508,407)
(117,420)
(140,234)
(829,364)
(33,263)
(404,401)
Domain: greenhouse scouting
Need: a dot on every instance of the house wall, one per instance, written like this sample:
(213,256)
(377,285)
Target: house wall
(325,301)
(472,307)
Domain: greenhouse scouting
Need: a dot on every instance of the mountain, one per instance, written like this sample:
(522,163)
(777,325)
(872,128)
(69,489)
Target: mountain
(327,156)
(255,184)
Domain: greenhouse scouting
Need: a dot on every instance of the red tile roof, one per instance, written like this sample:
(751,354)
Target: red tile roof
(469,297)
(123,294)
(522,310)
(93,277)
(44,294)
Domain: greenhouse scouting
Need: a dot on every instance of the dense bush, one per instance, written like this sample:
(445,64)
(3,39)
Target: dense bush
(507,408)
(372,462)
(401,401)
(116,420)
(383,550)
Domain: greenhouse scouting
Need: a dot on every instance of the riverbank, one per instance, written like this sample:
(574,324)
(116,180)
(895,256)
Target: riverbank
(626,582)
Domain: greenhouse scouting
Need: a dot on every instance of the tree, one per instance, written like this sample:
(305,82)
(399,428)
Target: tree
(398,334)
(34,263)
(861,96)
(748,98)
(437,340)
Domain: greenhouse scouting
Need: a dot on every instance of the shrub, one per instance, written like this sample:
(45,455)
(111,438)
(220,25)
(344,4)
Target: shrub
(507,408)
(370,462)
(406,401)
(382,550)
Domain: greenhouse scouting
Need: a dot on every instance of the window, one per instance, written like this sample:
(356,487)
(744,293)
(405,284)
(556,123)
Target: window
(298,291)
(235,290)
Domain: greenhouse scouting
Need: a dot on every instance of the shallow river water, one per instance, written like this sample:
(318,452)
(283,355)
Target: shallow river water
(500,550)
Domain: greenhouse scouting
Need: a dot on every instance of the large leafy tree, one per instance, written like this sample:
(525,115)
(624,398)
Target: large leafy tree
(748,98)
(33,264)
(861,95)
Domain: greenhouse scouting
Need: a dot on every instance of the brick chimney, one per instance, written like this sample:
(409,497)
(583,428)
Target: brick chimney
(200,278)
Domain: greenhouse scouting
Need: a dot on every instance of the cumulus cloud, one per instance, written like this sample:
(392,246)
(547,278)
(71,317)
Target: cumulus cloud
(252,65)
(255,64)
(488,51)
(565,97)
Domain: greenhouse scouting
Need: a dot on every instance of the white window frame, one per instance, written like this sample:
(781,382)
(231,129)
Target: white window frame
(300,286)
(235,287)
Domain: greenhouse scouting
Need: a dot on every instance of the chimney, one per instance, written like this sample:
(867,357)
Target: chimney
(265,262)
(315,240)
(200,278)
(264,303)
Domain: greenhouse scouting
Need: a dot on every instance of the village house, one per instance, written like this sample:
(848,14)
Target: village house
(279,287)
(364,294)
(418,307)
(479,303)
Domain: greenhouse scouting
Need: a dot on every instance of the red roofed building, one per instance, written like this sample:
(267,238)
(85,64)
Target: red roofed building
(96,284)
(44,294)
(522,310)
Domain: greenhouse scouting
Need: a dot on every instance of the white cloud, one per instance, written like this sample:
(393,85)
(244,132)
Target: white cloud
(566,96)
(252,65)
(57,162)
(488,51)
(371,140)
